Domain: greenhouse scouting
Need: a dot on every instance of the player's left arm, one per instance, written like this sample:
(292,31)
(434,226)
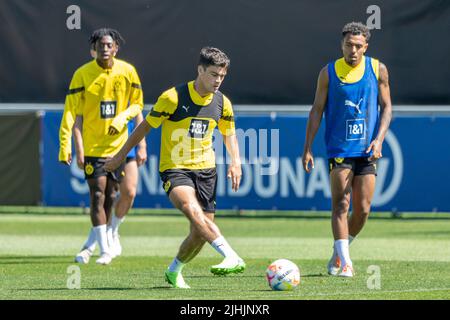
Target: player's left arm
(136,104)
(384,99)
(227,129)
(234,170)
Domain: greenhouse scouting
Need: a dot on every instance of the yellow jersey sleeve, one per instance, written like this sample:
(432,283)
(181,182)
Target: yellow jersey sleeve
(74,101)
(163,109)
(226,121)
(136,103)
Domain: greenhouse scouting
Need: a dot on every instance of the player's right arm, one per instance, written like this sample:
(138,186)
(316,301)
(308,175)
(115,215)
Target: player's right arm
(164,107)
(78,137)
(315,117)
(74,97)
(138,134)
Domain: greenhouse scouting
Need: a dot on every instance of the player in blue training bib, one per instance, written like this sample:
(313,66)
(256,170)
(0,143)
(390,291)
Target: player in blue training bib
(348,92)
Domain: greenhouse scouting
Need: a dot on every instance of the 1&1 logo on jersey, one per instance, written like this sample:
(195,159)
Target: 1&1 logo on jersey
(198,128)
(108,109)
(355,129)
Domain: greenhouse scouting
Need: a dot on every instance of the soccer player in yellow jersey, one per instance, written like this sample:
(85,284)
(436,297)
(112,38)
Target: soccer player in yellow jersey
(104,94)
(188,115)
(128,185)
(353,93)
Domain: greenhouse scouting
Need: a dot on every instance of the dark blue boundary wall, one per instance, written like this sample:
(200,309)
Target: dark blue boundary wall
(413,174)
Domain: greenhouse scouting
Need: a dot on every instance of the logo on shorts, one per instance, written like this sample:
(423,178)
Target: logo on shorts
(89,169)
(166,186)
(339,160)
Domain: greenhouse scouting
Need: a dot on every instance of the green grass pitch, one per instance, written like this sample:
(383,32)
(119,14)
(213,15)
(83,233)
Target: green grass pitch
(37,251)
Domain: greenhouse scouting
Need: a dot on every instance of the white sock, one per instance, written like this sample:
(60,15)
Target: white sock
(115,223)
(100,232)
(341,246)
(91,241)
(176,265)
(109,236)
(350,239)
(222,246)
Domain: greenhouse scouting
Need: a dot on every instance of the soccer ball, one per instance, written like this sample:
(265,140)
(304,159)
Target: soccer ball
(282,275)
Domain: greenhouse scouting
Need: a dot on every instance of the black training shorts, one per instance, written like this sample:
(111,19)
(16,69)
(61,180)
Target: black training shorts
(204,182)
(93,168)
(360,166)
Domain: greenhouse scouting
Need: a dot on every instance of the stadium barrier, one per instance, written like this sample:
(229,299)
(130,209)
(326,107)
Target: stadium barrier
(412,175)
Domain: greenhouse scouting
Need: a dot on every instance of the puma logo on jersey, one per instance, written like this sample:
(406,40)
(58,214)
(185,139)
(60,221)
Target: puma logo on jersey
(185,108)
(351,104)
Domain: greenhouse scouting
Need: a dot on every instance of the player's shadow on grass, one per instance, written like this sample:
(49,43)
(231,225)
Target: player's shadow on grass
(315,275)
(34,260)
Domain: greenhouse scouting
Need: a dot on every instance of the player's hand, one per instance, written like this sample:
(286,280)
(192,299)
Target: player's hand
(308,161)
(235,174)
(375,146)
(112,131)
(112,164)
(80,161)
(141,156)
(68,161)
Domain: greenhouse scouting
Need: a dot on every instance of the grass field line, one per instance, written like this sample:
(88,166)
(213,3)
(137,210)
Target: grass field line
(248,247)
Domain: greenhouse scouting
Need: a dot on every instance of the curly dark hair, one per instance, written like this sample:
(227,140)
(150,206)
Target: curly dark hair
(210,56)
(356,28)
(100,33)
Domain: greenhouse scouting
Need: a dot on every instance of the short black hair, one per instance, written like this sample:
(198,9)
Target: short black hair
(356,28)
(210,56)
(100,33)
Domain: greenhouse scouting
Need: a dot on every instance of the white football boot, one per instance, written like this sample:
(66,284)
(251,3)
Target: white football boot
(334,265)
(104,259)
(83,256)
(347,271)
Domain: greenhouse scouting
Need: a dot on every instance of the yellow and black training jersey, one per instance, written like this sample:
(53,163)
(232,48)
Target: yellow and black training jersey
(103,97)
(188,121)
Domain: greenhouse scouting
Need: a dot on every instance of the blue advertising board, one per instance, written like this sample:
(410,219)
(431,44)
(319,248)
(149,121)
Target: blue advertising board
(412,175)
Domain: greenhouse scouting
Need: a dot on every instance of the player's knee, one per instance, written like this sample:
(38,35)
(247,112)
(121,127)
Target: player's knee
(98,198)
(193,212)
(112,196)
(364,212)
(341,207)
(129,194)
